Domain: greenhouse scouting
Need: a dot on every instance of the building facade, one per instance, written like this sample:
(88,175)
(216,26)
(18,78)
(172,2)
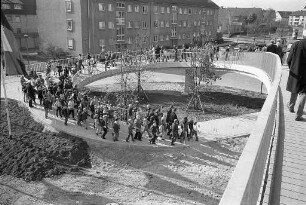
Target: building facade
(22,16)
(298,22)
(86,25)
(297,18)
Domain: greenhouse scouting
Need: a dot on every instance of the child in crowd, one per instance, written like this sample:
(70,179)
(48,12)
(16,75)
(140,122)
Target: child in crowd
(174,130)
(65,112)
(130,130)
(71,108)
(98,128)
(104,126)
(58,106)
(154,133)
(146,127)
(137,123)
(79,115)
(116,128)
(85,117)
(46,105)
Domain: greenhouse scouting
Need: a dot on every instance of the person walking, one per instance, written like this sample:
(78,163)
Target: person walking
(31,93)
(80,63)
(130,130)
(65,112)
(154,131)
(279,50)
(174,131)
(84,117)
(116,127)
(58,106)
(296,83)
(71,108)
(46,104)
(137,124)
(104,126)
(272,47)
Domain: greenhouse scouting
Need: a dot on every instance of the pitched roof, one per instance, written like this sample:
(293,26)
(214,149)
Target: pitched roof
(199,3)
(285,14)
(298,13)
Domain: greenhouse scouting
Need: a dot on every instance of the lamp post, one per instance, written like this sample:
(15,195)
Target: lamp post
(26,37)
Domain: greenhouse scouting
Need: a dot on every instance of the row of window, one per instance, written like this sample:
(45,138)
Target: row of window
(110,7)
(144,24)
(156,38)
(8,6)
(130,40)
(136,24)
(156,9)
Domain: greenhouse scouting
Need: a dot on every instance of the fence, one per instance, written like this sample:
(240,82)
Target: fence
(246,182)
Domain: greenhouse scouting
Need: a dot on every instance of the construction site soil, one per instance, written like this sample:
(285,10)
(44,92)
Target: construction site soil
(32,154)
(120,173)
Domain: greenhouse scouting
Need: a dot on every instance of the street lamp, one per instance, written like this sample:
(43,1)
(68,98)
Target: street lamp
(26,37)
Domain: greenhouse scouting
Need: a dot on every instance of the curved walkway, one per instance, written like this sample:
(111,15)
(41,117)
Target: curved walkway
(288,179)
(208,130)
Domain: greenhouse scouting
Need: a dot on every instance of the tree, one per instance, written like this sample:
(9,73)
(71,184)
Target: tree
(202,72)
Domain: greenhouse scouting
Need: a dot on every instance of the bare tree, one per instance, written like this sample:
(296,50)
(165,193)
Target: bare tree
(202,72)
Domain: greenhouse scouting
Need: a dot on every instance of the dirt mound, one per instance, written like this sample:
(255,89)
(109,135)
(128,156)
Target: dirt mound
(31,154)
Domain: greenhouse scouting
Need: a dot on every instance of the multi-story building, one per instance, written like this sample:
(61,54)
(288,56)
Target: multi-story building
(297,18)
(86,25)
(21,14)
(298,21)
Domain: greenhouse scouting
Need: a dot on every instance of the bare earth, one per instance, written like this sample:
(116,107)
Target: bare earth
(122,173)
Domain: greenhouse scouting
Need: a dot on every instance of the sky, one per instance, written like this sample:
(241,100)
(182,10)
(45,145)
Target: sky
(278,5)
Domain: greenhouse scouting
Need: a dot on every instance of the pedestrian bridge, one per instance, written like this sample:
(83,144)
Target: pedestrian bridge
(271,169)
(222,67)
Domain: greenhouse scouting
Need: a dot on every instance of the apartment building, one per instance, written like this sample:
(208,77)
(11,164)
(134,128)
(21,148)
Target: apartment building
(21,15)
(297,18)
(86,25)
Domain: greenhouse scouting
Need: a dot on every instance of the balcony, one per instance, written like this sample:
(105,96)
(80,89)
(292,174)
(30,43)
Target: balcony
(120,21)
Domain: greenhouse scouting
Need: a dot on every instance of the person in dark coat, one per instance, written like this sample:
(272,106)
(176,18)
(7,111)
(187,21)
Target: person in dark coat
(296,83)
(31,94)
(65,112)
(272,47)
(279,50)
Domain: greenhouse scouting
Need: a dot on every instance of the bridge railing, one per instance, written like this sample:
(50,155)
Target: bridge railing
(246,181)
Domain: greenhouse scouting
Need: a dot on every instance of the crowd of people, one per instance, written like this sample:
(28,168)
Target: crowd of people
(57,94)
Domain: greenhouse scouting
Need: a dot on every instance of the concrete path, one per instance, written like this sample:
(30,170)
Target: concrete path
(208,130)
(289,187)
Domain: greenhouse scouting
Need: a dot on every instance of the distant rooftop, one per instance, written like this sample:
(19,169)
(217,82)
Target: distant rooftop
(200,3)
(285,14)
(298,13)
